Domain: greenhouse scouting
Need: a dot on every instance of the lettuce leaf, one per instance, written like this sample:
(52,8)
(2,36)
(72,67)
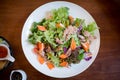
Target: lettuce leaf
(34,38)
(81,54)
(49,35)
(91,27)
(60,15)
(53,58)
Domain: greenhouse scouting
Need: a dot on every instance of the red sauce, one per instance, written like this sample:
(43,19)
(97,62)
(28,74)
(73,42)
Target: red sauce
(3,52)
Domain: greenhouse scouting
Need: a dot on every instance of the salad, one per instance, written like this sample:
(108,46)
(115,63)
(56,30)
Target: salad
(60,40)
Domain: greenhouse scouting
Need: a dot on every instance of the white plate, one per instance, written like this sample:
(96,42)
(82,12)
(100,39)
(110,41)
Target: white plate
(37,15)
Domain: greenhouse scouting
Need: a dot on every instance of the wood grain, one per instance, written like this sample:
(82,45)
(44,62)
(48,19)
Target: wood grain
(13,14)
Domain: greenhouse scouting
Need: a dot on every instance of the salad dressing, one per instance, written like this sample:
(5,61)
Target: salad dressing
(3,52)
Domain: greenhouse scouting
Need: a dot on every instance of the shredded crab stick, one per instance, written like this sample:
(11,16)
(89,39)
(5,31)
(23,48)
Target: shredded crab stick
(42,28)
(73,44)
(64,64)
(63,56)
(50,65)
(39,48)
(41,59)
(35,50)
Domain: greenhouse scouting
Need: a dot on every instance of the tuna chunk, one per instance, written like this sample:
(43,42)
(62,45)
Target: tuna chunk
(69,31)
(89,36)
(58,41)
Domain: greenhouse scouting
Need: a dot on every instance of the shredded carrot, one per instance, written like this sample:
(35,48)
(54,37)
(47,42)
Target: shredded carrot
(63,56)
(42,28)
(73,44)
(86,46)
(50,65)
(41,59)
(64,64)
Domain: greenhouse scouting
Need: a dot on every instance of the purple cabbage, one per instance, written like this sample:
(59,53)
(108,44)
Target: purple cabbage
(87,56)
(65,49)
(78,47)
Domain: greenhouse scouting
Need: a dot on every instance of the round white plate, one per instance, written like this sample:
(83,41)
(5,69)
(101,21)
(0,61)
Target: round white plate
(36,16)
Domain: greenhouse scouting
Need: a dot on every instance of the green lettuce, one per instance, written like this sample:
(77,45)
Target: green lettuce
(60,15)
(81,54)
(53,58)
(49,35)
(90,27)
(76,39)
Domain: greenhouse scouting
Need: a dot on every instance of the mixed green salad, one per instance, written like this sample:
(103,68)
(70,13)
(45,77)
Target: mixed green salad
(61,40)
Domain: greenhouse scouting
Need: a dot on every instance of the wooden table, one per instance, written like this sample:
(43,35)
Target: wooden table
(13,14)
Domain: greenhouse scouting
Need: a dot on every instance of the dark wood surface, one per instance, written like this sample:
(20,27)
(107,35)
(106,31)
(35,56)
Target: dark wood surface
(13,14)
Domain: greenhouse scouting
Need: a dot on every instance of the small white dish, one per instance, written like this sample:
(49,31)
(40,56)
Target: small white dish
(21,72)
(8,56)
